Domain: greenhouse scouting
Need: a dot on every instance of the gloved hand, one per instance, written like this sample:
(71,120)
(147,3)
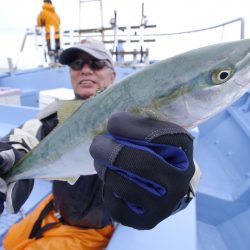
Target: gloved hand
(16,193)
(146,166)
(7,157)
(3,190)
(7,160)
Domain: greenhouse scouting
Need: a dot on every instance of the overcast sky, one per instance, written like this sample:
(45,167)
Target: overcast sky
(169,16)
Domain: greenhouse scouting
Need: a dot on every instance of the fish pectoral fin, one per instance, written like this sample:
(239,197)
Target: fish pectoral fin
(151,113)
(67,108)
(70,179)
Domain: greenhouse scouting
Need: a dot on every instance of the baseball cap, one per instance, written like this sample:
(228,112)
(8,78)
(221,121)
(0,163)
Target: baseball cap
(91,46)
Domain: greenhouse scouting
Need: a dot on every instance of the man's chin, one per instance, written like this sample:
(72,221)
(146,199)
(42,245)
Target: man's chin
(85,94)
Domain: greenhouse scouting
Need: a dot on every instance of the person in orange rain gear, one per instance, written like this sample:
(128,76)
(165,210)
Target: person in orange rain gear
(47,18)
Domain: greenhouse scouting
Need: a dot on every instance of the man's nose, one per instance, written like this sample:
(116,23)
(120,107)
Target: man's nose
(86,68)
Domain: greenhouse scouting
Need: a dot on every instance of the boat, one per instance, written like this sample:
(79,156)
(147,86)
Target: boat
(217,218)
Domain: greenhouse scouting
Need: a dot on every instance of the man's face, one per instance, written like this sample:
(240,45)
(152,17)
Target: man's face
(87,80)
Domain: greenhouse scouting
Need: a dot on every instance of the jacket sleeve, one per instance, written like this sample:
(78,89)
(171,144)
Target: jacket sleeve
(27,136)
(24,137)
(17,143)
(40,21)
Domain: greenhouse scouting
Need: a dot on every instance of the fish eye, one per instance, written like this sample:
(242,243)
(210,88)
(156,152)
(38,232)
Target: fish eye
(222,75)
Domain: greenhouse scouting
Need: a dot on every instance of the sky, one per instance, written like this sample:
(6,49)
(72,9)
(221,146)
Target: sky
(169,16)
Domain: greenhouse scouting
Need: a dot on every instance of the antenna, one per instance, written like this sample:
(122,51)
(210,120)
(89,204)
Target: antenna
(142,27)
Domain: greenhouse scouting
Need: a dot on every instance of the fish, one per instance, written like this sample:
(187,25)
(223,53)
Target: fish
(187,89)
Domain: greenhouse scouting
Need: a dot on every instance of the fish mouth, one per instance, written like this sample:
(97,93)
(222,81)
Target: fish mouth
(195,117)
(243,73)
(243,83)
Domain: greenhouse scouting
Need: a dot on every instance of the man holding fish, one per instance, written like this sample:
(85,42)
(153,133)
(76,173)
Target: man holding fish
(144,168)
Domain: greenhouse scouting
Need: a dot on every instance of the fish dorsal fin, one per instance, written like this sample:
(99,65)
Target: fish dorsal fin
(67,108)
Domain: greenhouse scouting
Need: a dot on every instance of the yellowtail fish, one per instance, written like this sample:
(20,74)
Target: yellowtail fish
(187,89)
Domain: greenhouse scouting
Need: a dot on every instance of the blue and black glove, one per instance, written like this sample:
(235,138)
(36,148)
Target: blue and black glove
(16,193)
(146,166)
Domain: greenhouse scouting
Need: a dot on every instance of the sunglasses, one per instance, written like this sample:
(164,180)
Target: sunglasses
(93,64)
